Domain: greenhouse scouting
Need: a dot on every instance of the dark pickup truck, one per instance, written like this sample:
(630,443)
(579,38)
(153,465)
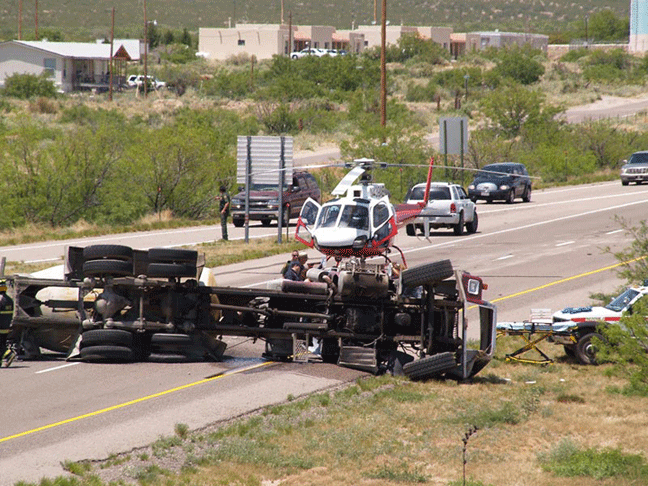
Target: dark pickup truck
(264,200)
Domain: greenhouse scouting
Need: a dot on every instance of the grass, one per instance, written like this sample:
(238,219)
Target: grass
(548,426)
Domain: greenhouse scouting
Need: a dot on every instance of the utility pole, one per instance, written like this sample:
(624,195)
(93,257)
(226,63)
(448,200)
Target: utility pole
(112,39)
(383,71)
(290,37)
(20,20)
(145,52)
(36,20)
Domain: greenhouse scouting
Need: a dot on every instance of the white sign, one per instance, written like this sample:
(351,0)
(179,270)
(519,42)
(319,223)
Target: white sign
(453,135)
(265,154)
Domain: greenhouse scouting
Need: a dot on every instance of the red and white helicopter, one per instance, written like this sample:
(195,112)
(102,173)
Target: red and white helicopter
(361,221)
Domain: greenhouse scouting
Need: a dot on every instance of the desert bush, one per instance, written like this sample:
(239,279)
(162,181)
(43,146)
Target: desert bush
(26,86)
(520,64)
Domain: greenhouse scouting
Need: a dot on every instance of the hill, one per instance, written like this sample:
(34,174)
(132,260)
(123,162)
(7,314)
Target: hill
(87,19)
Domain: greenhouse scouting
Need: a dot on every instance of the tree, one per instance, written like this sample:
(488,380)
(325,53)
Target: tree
(627,344)
(511,107)
(519,64)
(606,26)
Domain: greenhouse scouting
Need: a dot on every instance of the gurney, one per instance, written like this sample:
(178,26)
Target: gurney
(540,327)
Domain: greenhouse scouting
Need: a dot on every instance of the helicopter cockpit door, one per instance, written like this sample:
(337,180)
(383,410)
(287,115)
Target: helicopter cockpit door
(383,222)
(306,222)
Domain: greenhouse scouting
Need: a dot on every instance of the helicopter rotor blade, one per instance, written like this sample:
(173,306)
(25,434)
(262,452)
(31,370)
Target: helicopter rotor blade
(347,181)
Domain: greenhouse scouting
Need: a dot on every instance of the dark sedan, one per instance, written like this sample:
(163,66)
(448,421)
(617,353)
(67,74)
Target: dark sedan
(504,181)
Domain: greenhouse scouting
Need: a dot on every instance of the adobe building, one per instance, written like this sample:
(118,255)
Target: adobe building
(266,40)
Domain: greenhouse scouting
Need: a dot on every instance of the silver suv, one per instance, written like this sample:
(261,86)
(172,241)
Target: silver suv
(635,169)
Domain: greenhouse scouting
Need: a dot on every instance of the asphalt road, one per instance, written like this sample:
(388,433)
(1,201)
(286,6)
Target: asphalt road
(545,254)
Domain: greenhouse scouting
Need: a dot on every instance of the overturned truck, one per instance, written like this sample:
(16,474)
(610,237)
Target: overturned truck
(115,303)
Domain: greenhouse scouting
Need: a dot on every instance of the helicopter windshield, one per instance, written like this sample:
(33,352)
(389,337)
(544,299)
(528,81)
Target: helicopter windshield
(355,217)
(328,216)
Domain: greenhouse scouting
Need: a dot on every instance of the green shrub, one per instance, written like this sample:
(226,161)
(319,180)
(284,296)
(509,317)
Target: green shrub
(519,64)
(568,461)
(574,55)
(25,86)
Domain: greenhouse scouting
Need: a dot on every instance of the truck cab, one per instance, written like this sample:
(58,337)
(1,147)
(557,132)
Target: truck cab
(264,200)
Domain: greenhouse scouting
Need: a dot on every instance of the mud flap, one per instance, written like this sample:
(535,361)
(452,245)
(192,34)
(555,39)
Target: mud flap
(75,350)
(215,347)
(359,358)
(396,361)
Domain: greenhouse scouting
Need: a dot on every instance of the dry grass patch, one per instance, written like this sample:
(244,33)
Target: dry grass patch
(386,430)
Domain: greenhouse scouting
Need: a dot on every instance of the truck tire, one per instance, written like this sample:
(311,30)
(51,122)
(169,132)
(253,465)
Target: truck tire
(459,227)
(238,222)
(585,349)
(112,252)
(106,353)
(107,267)
(106,337)
(266,222)
(471,227)
(170,270)
(430,366)
(172,255)
(163,339)
(410,229)
(426,273)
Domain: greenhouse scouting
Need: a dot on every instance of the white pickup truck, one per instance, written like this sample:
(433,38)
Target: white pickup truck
(448,206)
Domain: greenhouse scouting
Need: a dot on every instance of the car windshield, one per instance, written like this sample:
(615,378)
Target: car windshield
(355,217)
(497,170)
(621,302)
(639,158)
(264,187)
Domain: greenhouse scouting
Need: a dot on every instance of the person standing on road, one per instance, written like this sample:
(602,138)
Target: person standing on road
(6,315)
(224,210)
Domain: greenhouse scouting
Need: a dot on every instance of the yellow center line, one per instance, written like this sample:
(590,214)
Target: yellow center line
(563,280)
(133,402)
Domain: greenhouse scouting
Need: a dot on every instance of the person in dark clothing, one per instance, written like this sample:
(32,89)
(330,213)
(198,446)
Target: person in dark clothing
(294,271)
(224,210)
(6,315)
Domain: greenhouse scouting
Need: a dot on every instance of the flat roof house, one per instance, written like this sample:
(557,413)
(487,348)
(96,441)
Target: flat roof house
(266,40)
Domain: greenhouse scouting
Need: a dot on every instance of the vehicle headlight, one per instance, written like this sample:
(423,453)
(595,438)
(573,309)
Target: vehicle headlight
(504,187)
(471,186)
(359,243)
(624,170)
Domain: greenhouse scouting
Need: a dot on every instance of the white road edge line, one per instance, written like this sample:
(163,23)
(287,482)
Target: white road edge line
(564,243)
(57,368)
(505,257)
